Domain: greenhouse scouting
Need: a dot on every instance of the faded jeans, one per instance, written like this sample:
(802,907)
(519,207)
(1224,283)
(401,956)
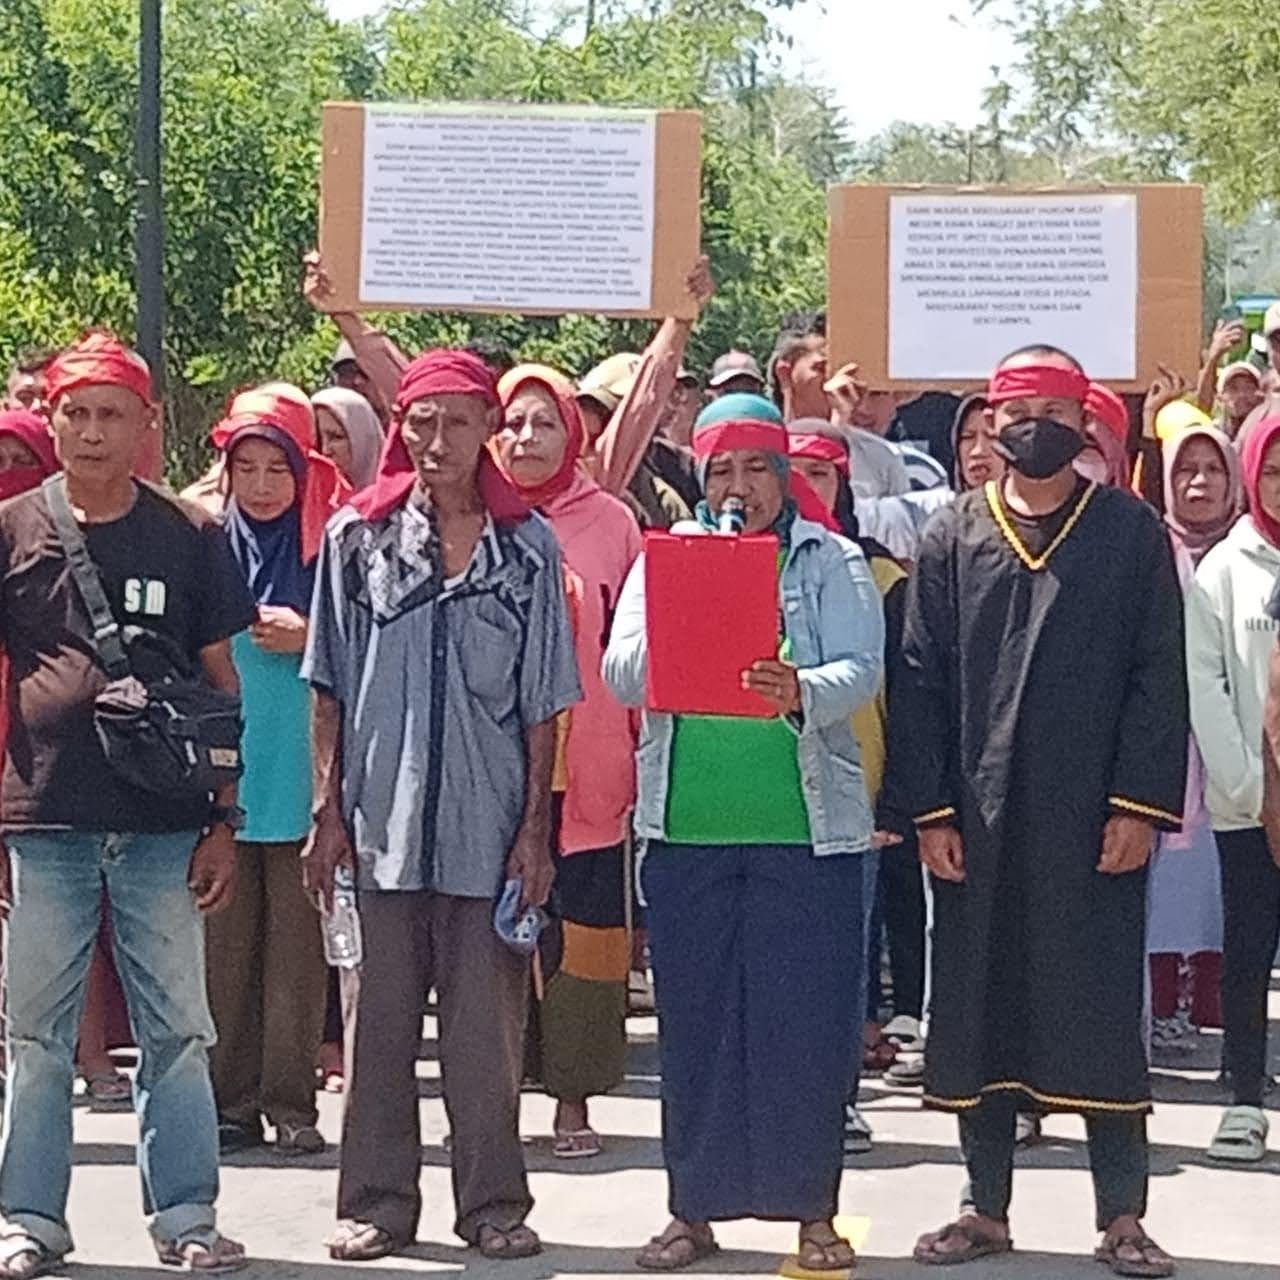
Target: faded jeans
(59,879)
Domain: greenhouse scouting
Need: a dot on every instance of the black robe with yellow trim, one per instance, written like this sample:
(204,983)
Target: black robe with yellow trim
(1038,695)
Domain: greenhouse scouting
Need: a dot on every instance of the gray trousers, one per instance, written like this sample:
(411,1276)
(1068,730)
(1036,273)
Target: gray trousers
(414,941)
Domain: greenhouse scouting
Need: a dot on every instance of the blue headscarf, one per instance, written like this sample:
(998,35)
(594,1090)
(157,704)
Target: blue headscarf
(269,552)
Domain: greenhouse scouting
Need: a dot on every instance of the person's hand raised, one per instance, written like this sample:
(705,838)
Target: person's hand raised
(1227,335)
(845,391)
(700,282)
(317,288)
(1167,386)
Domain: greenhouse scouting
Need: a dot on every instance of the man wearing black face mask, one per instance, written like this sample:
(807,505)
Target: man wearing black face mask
(1041,736)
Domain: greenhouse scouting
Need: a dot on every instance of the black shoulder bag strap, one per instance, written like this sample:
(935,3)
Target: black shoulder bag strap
(106,631)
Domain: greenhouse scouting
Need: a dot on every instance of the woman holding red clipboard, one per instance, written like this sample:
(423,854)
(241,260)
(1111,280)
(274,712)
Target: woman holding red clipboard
(756,828)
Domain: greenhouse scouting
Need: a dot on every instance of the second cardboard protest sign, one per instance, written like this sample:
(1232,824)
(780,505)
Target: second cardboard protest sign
(931,286)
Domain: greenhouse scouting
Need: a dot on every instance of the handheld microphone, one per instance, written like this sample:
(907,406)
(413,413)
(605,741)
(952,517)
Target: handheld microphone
(733,517)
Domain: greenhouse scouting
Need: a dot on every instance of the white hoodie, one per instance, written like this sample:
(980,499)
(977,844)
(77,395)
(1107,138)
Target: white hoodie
(1230,639)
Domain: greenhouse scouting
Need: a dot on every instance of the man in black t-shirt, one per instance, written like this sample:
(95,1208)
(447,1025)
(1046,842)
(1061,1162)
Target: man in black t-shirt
(71,830)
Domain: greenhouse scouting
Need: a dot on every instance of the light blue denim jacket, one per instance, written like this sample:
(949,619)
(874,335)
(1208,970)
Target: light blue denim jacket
(835,623)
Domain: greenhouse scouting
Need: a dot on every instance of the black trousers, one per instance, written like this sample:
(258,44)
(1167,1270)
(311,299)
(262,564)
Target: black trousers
(1117,1158)
(902,896)
(1251,931)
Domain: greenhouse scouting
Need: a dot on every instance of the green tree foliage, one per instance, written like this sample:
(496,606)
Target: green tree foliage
(244,83)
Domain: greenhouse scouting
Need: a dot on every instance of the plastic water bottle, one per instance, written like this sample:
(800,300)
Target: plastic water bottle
(343,943)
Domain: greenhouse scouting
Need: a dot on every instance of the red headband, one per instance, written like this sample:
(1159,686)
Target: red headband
(821,449)
(445,372)
(1037,381)
(1103,405)
(98,359)
(439,373)
(740,433)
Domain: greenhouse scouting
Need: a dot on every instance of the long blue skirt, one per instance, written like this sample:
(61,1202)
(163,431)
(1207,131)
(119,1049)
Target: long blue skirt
(758,957)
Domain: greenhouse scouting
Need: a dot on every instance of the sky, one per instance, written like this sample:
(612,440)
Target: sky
(925,61)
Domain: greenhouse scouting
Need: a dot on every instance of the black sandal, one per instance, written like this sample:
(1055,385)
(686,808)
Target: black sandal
(506,1243)
(836,1253)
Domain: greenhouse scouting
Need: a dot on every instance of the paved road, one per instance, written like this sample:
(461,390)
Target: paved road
(1223,1224)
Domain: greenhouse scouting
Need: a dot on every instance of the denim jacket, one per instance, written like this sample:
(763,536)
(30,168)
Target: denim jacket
(835,623)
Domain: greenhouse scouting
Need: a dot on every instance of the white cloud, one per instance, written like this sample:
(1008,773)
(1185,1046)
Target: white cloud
(927,61)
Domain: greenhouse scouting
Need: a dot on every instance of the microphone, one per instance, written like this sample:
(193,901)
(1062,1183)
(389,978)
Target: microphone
(733,517)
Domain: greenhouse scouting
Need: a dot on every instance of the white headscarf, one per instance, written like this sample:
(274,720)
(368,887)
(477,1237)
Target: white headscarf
(364,431)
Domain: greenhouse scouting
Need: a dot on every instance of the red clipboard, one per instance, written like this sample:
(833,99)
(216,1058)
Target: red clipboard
(711,610)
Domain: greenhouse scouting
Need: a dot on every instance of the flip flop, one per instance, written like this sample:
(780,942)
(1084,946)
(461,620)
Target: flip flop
(1154,1263)
(978,1246)
(204,1251)
(576,1144)
(362,1242)
(657,1256)
(844,1257)
(15,1244)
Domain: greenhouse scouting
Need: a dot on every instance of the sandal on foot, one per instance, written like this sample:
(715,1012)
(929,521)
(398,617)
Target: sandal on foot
(22,1256)
(1241,1137)
(1146,1258)
(679,1246)
(203,1251)
(977,1245)
(108,1091)
(822,1248)
(362,1242)
(505,1243)
(576,1144)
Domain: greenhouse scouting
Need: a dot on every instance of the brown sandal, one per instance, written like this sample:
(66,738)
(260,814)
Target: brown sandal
(204,1251)
(679,1246)
(822,1248)
(505,1243)
(1152,1261)
(977,1245)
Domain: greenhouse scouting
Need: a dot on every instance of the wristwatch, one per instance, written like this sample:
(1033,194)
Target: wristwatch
(230,816)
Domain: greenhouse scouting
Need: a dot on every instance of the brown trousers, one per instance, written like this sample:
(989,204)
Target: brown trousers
(267,979)
(414,941)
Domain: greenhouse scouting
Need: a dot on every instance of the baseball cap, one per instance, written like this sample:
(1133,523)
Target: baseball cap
(344,354)
(610,380)
(735,364)
(1246,367)
(1271,321)
(1177,417)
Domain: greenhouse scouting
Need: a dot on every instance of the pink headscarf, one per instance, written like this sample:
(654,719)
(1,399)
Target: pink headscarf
(1260,440)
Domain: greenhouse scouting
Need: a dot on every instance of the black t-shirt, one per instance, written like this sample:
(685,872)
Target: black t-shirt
(168,572)
(1038,532)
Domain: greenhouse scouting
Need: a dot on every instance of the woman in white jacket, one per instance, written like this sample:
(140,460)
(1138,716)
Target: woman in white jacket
(1230,637)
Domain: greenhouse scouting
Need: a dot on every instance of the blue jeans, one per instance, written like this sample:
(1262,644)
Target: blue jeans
(59,882)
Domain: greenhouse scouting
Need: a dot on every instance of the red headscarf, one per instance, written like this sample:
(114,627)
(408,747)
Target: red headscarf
(33,431)
(1260,440)
(565,395)
(438,373)
(816,439)
(287,409)
(98,359)
(1103,405)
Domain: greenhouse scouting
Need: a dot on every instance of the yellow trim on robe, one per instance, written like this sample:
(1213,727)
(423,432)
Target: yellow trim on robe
(1145,810)
(871,720)
(1034,563)
(1049,1099)
(948,812)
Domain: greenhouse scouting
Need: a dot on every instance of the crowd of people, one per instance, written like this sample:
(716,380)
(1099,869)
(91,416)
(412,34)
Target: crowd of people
(1024,709)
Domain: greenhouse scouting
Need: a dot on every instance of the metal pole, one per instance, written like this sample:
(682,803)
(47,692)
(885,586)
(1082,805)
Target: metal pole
(150,225)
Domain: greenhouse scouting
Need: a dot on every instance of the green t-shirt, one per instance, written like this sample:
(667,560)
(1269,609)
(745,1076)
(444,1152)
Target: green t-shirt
(736,780)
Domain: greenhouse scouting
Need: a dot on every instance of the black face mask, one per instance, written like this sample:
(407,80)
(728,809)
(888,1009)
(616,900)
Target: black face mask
(1039,447)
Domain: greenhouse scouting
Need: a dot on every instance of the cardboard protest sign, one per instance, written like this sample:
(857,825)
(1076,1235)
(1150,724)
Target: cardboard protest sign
(528,209)
(931,286)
